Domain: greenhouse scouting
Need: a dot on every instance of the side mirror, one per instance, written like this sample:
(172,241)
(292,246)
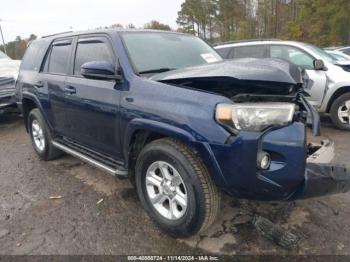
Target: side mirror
(319,65)
(102,70)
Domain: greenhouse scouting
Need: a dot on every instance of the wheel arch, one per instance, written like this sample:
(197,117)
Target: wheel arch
(142,132)
(340,91)
(29,102)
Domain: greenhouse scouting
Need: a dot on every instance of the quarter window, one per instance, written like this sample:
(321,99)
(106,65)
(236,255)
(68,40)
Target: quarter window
(34,55)
(91,50)
(293,55)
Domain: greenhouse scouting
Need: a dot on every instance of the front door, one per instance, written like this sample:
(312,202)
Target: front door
(92,106)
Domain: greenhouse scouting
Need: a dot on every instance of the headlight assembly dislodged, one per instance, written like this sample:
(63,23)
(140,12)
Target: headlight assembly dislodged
(254,116)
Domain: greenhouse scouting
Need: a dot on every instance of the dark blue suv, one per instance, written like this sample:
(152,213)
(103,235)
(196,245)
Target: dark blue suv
(164,110)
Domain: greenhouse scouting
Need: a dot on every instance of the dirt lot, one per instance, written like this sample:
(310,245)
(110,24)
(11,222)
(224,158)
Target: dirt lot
(31,223)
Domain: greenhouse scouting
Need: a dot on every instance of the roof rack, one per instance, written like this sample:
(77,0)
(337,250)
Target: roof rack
(247,40)
(45,36)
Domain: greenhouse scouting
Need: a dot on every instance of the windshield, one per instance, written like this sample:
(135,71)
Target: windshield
(339,56)
(323,54)
(155,52)
(3,56)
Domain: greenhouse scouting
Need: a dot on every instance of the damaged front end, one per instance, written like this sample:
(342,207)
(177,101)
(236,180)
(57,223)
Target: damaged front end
(322,177)
(295,169)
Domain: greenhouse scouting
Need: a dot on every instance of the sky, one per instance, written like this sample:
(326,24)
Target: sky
(45,17)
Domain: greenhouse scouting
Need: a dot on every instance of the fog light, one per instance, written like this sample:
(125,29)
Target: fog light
(264,160)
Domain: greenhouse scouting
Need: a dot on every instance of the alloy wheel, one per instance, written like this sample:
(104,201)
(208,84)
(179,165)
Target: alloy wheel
(38,135)
(166,190)
(344,112)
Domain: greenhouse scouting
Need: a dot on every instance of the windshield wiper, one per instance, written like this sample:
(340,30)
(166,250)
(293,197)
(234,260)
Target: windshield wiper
(159,70)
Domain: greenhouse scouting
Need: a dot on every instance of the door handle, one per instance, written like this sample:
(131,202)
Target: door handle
(39,84)
(70,90)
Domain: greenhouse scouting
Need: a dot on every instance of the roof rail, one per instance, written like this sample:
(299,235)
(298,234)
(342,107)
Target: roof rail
(247,40)
(45,36)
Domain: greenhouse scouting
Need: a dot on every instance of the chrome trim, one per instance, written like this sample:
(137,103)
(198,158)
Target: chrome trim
(89,160)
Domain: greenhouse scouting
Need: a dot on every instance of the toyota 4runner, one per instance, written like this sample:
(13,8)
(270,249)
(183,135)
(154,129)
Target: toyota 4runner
(164,110)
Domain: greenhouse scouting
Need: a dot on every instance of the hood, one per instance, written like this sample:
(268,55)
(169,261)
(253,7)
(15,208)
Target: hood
(8,75)
(344,64)
(247,69)
(9,68)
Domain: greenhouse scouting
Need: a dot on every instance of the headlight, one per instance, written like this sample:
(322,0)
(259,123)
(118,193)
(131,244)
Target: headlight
(254,116)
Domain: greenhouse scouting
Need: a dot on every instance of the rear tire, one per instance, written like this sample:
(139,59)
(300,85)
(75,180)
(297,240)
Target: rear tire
(181,208)
(41,136)
(340,112)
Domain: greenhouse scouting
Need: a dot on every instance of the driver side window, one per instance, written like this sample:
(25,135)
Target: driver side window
(92,49)
(293,55)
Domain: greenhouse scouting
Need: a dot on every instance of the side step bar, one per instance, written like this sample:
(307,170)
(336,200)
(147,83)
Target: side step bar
(114,172)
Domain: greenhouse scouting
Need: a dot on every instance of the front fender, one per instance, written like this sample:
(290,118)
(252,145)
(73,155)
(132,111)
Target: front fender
(331,91)
(157,127)
(203,149)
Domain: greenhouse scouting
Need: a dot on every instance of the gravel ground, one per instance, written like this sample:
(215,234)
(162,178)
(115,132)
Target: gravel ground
(98,214)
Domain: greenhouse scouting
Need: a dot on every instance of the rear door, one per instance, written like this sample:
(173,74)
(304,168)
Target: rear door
(92,106)
(52,77)
(317,79)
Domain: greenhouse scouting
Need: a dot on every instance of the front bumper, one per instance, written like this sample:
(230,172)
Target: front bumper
(6,102)
(321,177)
(297,170)
(7,93)
(324,179)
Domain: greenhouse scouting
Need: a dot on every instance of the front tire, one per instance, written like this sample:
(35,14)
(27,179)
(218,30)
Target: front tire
(41,136)
(175,188)
(340,112)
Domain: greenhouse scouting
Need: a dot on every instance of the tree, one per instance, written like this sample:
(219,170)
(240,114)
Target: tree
(116,26)
(321,22)
(130,26)
(17,48)
(157,25)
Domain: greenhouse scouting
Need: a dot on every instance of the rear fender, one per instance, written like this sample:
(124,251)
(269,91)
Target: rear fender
(36,101)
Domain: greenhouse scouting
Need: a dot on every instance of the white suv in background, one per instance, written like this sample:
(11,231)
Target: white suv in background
(329,83)
(8,74)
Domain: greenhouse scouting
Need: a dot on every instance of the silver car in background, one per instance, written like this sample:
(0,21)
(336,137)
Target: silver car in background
(329,81)
(339,56)
(8,75)
(342,49)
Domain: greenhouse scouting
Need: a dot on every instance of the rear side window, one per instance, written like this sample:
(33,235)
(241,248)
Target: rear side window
(58,60)
(249,52)
(34,55)
(89,50)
